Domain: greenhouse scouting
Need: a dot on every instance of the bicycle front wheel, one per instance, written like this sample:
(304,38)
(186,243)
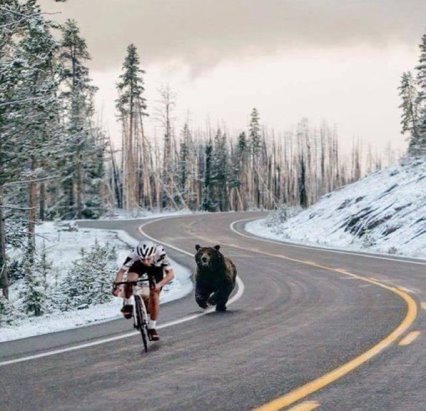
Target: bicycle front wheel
(142,321)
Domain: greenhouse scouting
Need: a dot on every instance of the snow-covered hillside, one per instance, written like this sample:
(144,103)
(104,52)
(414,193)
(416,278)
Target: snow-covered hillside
(384,212)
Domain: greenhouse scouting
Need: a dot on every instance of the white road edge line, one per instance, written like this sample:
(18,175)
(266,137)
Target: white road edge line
(330,250)
(236,297)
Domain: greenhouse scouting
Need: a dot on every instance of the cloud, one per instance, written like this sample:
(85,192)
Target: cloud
(202,33)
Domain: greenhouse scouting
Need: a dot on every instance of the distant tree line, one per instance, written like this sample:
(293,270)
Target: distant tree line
(413,95)
(214,171)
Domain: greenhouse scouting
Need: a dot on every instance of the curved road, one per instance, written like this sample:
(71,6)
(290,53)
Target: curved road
(313,329)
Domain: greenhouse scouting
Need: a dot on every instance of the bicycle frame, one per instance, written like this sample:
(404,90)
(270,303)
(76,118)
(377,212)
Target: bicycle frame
(140,317)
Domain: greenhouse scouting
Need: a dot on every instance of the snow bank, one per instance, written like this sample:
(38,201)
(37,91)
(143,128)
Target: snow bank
(385,212)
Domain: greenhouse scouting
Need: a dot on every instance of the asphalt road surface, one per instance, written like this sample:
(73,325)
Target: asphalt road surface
(310,329)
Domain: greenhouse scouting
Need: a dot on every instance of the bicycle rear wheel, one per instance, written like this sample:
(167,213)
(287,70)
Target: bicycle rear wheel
(141,322)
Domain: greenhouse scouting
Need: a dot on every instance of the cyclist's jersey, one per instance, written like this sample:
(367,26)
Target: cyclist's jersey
(161,263)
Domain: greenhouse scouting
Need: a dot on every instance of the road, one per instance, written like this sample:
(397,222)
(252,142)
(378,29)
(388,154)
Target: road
(312,329)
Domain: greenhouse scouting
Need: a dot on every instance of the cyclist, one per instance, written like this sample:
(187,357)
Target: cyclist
(151,259)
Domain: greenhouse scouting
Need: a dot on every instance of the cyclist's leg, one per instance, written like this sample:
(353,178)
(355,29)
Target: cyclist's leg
(127,309)
(154,304)
(145,299)
(154,308)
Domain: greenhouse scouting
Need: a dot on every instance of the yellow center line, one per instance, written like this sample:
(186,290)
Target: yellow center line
(305,406)
(409,338)
(332,376)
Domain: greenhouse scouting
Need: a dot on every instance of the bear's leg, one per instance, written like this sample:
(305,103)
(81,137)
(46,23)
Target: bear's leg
(221,297)
(201,296)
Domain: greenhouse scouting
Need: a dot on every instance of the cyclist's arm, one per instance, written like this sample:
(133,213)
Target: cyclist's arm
(126,265)
(119,274)
(169,275)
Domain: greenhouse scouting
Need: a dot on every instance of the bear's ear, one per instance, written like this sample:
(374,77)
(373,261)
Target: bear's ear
(197,246)
(217,247)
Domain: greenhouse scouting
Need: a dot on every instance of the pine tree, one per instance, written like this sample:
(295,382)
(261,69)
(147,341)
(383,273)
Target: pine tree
(255,143)
(255,138)
(34,292)
(38,119)
(207,203)
(78,104)
(77,284)
(302,182)
(101,261)
(28,109)
(89,280)
(7,311)
(418,142)
(184,163)
(410,115)
(243,166)
(11,22)
(43,266)
(131,105)
(219,175)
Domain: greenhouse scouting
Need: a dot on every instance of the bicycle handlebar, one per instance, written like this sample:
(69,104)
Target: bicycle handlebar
(140,280)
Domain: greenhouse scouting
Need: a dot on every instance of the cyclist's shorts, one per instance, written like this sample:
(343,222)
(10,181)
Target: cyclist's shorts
(155,272)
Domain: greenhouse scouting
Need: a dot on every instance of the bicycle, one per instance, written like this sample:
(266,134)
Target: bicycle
(140,314)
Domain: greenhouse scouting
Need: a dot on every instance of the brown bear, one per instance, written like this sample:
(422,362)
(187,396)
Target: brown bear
(215,277)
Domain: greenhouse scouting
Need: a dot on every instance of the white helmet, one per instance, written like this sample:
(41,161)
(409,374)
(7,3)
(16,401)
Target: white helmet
(145,249)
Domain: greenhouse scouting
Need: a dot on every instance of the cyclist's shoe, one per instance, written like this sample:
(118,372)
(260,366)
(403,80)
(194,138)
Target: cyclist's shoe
(127,311)
(153,334)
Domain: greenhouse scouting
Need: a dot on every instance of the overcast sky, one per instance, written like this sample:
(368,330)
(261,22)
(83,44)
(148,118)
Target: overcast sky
(338,60)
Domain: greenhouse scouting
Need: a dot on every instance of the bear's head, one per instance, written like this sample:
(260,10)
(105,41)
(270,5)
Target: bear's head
(208,257)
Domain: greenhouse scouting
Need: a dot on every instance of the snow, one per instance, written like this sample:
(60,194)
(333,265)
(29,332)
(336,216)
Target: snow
(63,248)
(384,212)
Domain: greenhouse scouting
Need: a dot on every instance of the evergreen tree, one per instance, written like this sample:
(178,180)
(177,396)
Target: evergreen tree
(184,165)
(34,292)
(43,266)
(101,267)
(89,280)
(7,312)
(242,167)
(78,146)
(77,284)
(418,142)
(409,96)
(219,175)
(255,138)
(207,203)
(38,118)
(28,109)
(131,105)
(303,197)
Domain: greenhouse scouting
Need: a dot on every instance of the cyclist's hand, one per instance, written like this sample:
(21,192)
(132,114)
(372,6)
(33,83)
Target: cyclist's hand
(158,287)
(115,290)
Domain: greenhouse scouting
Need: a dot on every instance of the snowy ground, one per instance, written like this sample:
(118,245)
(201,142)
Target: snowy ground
(384,212)
(62,249)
